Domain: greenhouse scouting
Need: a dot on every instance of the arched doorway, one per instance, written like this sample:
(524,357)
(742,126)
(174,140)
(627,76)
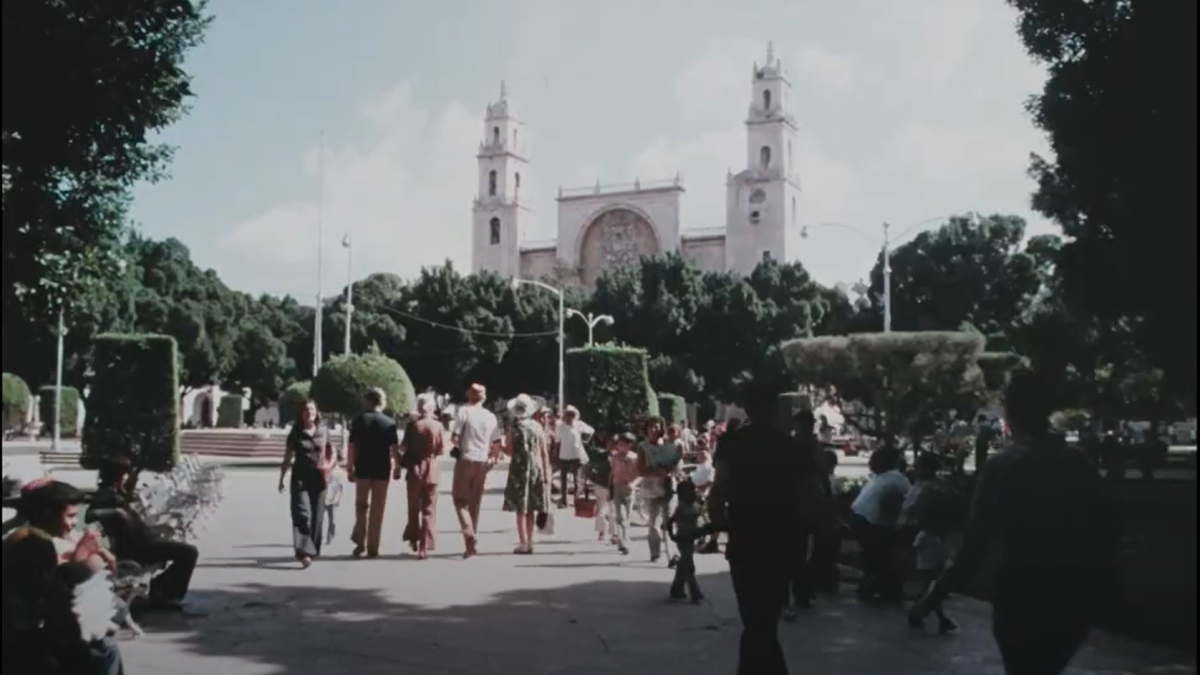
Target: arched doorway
(617,237)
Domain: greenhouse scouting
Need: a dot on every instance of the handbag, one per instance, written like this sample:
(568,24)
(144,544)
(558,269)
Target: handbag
(456,452)
(585,507)
(545,523)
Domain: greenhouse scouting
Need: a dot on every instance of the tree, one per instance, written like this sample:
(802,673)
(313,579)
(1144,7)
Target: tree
(261,365)
(76,136)
(1122,180)
(343,381)
(17,401)
(962,274)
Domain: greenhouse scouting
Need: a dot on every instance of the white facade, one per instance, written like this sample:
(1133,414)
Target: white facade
(603,226)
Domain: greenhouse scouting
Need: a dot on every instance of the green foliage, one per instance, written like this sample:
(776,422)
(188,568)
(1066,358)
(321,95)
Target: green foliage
(69,415)
(17,401)
(669,373)
(901,380)
(342,382)
(133,405)
(229,411)
(290,401)
(610,386)
(672,408)
(1125,204)
(77,136)
(652,409)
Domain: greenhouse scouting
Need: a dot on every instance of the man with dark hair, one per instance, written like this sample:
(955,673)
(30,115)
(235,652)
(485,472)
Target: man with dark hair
(371,459)
(39,624)
(756,497)
(132,539)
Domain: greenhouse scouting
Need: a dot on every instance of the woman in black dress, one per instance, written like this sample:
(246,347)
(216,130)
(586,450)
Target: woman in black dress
(309,454)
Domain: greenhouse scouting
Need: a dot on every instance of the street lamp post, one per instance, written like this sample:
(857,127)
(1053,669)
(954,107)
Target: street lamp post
(592,321)
(562,320)
(349,287)
(58,382)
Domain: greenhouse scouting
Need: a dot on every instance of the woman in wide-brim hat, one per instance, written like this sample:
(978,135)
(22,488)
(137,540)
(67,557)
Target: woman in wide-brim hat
(527,491)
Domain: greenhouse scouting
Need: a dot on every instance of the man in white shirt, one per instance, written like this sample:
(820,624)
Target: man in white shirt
(573,433)
(875,513)
(476,438)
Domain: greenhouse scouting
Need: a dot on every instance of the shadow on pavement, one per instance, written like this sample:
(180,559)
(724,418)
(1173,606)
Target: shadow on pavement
(593,628)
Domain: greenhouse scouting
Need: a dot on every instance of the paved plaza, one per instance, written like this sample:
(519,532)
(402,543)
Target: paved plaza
(575,607)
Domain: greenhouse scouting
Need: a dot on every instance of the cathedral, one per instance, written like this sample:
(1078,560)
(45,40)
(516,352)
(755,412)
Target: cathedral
(603,226)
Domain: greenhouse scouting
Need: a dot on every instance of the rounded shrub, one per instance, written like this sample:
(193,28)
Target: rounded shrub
(343,381)
(289,402)
(17,401)
(672,408)
(229,411)
(68,421)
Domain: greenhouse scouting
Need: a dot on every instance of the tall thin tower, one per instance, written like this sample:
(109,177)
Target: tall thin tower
(318,351)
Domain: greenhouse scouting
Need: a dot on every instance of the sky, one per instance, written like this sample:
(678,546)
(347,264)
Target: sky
(908,112)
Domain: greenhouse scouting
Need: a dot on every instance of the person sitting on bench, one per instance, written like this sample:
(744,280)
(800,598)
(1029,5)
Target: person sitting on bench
(115,507)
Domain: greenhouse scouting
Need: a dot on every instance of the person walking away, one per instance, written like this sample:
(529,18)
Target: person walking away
(116,506)
(874,514)
(1056,528)
(308,454)
(421,449)
(683,527)
(527,492)
(928,514)
(760,472)
(625,471)
(572,435)
(371,458)
(827,542)
(476,437)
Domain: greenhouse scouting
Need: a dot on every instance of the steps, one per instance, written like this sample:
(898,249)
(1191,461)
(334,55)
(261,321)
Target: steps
(248,444)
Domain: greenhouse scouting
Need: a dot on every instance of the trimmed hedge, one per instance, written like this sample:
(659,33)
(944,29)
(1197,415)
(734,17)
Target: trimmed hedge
(289,402)
(610,386)
(229,412)
(69,421)
(17,401)
(342,382)
(672,408)
(133,405)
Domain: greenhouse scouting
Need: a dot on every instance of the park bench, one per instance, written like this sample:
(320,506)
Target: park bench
(58,458)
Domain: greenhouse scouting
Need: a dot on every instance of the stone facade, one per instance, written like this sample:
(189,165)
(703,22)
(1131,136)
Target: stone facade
(603,226)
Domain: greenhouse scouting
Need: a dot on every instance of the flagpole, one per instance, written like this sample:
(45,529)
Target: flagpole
(318,322)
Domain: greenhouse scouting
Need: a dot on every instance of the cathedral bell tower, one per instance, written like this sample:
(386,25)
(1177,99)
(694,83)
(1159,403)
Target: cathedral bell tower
(497,228)
(762,200)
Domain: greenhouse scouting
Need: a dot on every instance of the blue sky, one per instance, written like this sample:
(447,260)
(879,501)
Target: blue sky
(908,111)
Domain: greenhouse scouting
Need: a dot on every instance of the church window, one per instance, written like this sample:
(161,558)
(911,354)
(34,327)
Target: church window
(495,135)
(764,157)
(793,210)
(495,231)
(758,197)
(492,183)
(755,216)
(767,100)
(517,181)
(514,139)
(791,158)
(766,257)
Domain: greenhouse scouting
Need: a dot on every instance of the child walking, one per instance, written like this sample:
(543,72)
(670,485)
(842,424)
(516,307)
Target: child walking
(930,510)
(624,474)
(683,527)
(333,497)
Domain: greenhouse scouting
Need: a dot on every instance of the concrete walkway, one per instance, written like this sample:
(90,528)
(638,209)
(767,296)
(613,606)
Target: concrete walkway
(575,607)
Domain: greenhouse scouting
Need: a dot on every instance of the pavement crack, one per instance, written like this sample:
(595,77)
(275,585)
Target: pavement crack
(572,619)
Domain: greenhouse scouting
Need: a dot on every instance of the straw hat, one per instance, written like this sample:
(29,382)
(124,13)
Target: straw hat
(522,405)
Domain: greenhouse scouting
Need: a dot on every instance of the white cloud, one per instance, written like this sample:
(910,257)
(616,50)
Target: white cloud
(718,83)
(938,41)
(403,198)
(834,72)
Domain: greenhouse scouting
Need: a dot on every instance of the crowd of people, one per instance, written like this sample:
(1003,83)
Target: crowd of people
(766,488)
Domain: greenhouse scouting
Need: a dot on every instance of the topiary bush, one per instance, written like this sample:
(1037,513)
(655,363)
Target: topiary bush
(342,382)
(68,422)
(610,386)
(17,401)
(672,408)
(133,405)
(289,402)
(229,411)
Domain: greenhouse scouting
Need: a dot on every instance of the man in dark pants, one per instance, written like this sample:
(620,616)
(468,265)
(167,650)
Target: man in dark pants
(756,496)
(133,540)
(1057,529)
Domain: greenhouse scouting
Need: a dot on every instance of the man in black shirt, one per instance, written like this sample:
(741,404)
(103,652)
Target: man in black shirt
(370,458)
(756,497)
